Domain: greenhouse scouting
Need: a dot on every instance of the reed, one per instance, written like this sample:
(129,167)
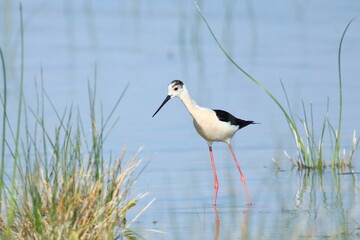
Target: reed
(309,149)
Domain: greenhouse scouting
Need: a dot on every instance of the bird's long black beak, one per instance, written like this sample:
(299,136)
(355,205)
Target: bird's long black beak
(163,103)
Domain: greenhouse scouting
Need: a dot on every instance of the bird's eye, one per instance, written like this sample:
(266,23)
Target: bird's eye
(176,89)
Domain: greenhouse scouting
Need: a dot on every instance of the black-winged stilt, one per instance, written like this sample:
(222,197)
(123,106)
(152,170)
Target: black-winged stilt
(212,125)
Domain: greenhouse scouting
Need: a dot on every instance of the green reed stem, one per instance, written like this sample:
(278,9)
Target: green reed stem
(336,158)
(12,202)
(4,103)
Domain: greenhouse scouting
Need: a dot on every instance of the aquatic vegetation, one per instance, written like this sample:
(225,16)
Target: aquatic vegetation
(58,183)
(309,149)
(62,184)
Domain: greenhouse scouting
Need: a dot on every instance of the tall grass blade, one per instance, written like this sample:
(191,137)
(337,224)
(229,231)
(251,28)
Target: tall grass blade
(336,158)
(18,127)
(4,109)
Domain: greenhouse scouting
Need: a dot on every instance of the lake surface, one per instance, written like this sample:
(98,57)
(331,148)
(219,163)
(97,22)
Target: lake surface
(147,44)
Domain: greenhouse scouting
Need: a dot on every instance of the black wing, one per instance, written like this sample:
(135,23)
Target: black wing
(227,117)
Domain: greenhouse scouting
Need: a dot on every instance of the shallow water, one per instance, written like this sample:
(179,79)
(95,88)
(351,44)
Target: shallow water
(148,44)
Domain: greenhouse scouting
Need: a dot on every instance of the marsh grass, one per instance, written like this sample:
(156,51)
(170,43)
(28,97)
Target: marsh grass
(310,150)
(61,186)
(59,183)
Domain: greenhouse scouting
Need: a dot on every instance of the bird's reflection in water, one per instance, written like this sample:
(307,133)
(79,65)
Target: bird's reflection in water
(244,225)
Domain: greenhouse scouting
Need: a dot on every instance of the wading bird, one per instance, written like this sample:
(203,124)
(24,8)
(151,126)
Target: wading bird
(212,125)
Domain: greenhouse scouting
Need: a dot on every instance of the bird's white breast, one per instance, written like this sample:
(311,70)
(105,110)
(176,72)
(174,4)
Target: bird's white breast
(211,128)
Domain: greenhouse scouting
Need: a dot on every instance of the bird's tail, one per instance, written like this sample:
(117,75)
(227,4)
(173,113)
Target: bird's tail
(244,123)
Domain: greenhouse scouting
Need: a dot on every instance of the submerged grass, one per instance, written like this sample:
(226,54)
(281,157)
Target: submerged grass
(309,149)
(60,184)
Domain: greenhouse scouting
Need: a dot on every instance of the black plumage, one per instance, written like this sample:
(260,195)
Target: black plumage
(227,117)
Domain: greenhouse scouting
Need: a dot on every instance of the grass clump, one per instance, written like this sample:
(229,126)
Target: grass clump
(309,149)
(78,206)
(59,184)
(62,186)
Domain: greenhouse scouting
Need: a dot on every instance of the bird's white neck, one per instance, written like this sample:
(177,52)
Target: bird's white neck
(188,102)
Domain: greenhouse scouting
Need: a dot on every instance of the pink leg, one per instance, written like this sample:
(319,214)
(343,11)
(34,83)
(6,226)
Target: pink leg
(216,186)
(217,224)
(241,174)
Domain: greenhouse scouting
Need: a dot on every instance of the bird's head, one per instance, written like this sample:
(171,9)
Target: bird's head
(175,89)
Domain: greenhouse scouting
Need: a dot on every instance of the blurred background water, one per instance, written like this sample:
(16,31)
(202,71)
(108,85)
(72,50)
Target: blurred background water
(150,43)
